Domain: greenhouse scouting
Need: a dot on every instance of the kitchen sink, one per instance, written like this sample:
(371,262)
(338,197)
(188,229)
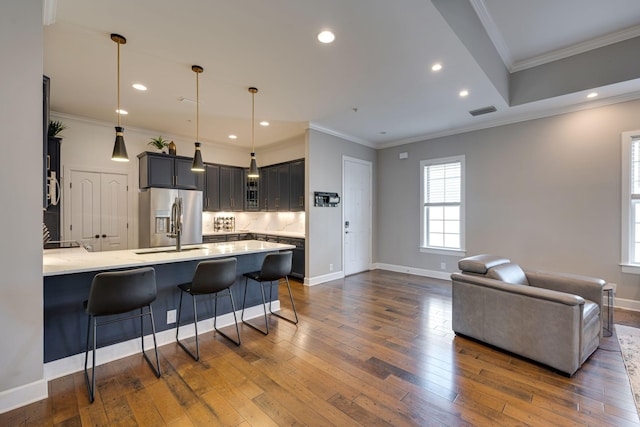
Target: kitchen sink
(167,251)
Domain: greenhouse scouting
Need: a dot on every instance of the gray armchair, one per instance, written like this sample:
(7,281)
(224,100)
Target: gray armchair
(551,318)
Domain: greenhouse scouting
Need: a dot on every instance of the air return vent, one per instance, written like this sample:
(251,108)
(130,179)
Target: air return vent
(485,110)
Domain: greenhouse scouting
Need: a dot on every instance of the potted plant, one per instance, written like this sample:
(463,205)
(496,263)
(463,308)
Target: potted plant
(55,129)
(160,143)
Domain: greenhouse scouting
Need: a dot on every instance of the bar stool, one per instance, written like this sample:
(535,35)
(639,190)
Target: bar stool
(117,293)
(210,278)
(275,266)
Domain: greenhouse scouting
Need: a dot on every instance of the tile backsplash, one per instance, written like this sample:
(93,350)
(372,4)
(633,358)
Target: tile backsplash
(291,222)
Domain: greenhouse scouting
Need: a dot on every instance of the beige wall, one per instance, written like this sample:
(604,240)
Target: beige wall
(545,193)
(21,333)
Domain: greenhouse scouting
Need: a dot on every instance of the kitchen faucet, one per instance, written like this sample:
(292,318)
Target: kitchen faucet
(176,223)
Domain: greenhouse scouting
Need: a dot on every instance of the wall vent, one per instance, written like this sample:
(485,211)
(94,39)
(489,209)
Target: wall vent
(485,110)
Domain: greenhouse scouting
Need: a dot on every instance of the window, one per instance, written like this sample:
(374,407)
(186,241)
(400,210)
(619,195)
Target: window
(442,216)
(631,202)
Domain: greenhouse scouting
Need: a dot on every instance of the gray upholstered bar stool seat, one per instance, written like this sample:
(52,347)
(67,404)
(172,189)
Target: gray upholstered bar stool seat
(275,266)
(120,292)
(210,278)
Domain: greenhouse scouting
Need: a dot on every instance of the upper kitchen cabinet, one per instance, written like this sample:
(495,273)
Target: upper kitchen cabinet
(296,179)
(277,187)
(231,188)
(252,196)
(211,200)
(165,171)
(282,187)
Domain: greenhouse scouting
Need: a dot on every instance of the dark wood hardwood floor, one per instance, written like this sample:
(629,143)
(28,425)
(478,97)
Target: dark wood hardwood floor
(373,349)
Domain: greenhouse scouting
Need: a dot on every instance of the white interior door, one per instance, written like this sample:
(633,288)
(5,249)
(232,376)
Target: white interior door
(356,205)
(84,195)
(113,212)
(98,210)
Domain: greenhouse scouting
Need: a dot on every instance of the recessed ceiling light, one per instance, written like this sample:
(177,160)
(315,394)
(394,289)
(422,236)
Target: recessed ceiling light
(463,93)
(123,112)
(592,95)
(139,86)
(264,123)
(326,37)
(436,67)
(233,136)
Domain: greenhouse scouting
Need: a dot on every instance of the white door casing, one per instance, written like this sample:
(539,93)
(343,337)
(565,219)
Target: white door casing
(98,209)
(356,215)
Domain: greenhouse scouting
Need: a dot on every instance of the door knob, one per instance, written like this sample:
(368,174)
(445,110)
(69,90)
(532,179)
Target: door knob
(97,236)
(104,235)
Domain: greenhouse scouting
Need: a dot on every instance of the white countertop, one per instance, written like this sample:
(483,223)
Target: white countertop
(78,260)
(270,233)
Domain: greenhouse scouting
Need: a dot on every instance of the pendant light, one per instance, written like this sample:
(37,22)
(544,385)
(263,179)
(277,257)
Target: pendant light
(253,166)
(198,165)
(119,149)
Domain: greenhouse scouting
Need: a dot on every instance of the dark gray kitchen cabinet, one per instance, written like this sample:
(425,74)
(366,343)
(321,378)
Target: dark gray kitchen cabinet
(211,195)
(296,179)
(264,188)
(297,265)
(214,238)
(164,171)
(277,180)
(231,188)
(185,177)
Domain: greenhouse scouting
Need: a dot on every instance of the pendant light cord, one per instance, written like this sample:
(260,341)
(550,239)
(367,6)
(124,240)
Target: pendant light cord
(119,112)
(253,124)
(197,108)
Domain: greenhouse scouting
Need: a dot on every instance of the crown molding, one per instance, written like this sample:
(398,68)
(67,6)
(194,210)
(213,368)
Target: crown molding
(516,119)
(317,127)
(598,42)
(492,31)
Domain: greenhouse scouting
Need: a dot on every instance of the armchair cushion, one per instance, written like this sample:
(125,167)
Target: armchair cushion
(479,264)
(589,288)
(508,273)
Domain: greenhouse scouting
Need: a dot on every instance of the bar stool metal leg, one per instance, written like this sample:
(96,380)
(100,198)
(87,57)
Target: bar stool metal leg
(196,356)
(91,385)
(264,307)
(156,369)
(295,313)
(233,310)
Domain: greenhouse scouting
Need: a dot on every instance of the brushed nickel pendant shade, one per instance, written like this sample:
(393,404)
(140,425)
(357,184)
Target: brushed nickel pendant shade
(119,149)
(198,164)
(253,166)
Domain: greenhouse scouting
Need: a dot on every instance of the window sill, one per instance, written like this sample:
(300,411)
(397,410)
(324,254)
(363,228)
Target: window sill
(443,251)
(630,268)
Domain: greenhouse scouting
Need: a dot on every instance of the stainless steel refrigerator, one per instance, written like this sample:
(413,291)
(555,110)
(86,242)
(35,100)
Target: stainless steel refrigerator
(157,224)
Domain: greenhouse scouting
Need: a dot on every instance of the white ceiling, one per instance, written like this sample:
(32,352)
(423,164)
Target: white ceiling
(373,85)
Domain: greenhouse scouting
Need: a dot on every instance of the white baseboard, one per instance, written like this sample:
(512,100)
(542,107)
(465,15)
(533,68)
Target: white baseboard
(627,304)
(23,395)
(443,275)
(312,281)
(69,365)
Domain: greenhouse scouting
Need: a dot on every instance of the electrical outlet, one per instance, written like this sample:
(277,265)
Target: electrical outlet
(330,267)
(171,317)
(443,266)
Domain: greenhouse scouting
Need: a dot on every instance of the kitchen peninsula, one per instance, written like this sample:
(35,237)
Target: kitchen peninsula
(68,274)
